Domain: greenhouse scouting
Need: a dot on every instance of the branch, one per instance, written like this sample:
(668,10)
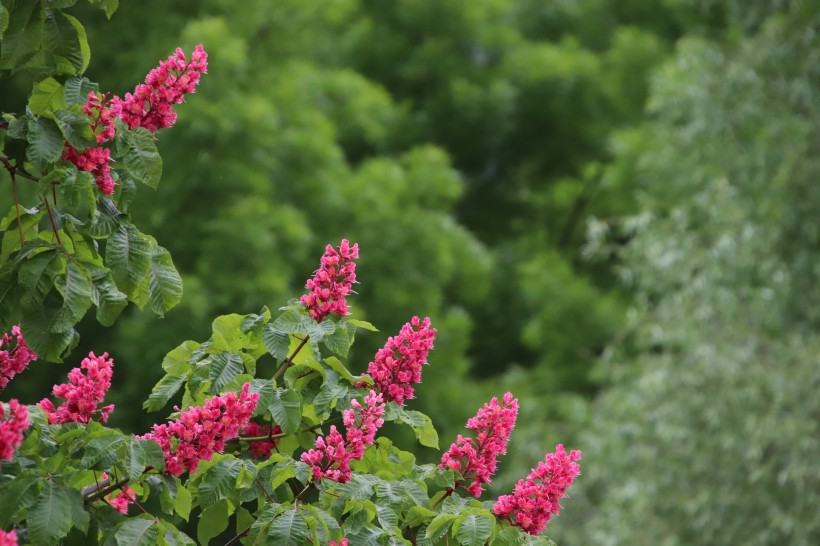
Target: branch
(289,360)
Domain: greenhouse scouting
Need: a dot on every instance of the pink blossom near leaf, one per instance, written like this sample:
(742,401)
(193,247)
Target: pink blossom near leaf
(342,542)
(96,161)
(261,449)
(397,365)
(476,458)
(201,431)
(15,355)
(12,424)
(536,499)
(332,282)
(333,453)
(151,104)
(8,539)
(85,390)
(122,499)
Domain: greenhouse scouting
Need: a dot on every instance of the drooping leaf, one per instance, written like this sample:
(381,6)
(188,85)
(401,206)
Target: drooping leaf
(77,89)
(65,39)
(286,408)
(49,519)
(37,274)
(473,529)
(23,34)
(128,254)
(164,282)
(219,482)
(289,528)
(75,287)
(106,296)
(108,6)
(101,451)
(18,495)
(138,153)
(276,342)
(222,368)
(45,142)
(182,502)
(48,94)
(137,532)
(213,521)
(163,391)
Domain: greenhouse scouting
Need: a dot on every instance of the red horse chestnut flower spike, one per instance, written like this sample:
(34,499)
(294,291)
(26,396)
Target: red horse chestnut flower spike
(397,365)
(332,282)
(201,431)
(536,499)
(476,459)
(8,539)
(82,393)
(15,355)
(12,425)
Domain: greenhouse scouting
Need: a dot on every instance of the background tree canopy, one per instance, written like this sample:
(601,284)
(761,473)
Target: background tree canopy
(609,208)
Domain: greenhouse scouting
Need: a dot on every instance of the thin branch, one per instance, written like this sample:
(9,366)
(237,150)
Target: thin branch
(289,360)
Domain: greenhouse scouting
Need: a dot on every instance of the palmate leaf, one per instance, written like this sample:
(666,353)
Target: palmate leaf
(473,529)
(75,287)
(141,531)
(128,254)
(23,34)
(64,37)
(164,282)
(289,529)
(50,518)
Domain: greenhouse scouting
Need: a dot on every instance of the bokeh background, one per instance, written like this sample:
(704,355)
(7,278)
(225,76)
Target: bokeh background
(611,209)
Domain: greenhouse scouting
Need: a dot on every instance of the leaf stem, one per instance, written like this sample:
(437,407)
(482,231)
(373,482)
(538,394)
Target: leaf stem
(53,224)
(289,360)
(17,206)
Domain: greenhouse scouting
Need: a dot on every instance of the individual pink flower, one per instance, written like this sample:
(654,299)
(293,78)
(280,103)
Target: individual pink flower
(12,426)
(122,499)
(333,453)
(476,459)
(397,365)
(151,104)
(332,282)
(342,542)
(535,500)
(201,431)
(83,393)
(8,539)
(14,355)
(261,449)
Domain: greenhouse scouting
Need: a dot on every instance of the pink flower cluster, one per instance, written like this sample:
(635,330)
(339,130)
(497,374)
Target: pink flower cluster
(332,282)
(121,499)
(8,539)
(201,431)
(476,459)
(397,365)
(11,428)
(342,542)
(261,449)
(535,500)
(83,393)
(150,106)
(151,103)
(13,360)
(333,453)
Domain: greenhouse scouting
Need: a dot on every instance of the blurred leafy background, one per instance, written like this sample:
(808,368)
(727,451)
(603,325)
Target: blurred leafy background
(608,208)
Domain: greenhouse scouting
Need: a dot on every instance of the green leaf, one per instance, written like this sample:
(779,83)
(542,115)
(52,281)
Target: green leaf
(77,89)
(138,151)
(276,342)
(182,503)
(64,37)
(18,495)
(473,530)
(48,345)
(228,334)
(23,34)
(108,6)
(219,482)
(74,128)
(337,366)
(177,361)
(75,287)
(338,342)
(45,142)
(50,518)
(163,391)
(4,20)
(128,254)
(362,324)
(164,282)
(289,529)
(222,368)
(213,521)
(417,515)
(422,426)
(286,408)
(48,94)
(264,388)
(107,218)
(106,296)
(101,452)
(137,532)
(37,276)
(439,526)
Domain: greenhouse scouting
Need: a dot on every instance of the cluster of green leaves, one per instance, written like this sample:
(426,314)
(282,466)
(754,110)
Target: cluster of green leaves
(67,247)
